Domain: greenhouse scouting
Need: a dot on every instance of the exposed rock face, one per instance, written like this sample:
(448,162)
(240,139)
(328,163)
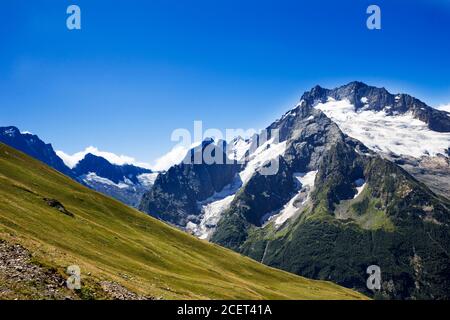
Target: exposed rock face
(175,194)
(433,171)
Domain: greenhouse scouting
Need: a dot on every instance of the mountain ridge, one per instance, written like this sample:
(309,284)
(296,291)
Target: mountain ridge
(379,99)
(126,183)
(33,146)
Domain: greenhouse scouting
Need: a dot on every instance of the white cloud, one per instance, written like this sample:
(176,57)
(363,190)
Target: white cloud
(444,107)
(72,160)
(173,157)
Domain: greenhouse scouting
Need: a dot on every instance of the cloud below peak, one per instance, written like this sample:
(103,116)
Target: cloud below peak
(173,157)
(72,160)
(444,107)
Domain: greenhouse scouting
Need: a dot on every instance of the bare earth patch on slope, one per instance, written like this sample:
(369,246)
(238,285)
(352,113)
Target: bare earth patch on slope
(21,278)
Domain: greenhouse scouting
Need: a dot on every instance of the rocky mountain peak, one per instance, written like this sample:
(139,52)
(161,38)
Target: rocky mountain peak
(33,146)
(103,168)
(364,97)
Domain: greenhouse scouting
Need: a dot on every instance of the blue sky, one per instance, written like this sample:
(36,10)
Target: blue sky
(140,69)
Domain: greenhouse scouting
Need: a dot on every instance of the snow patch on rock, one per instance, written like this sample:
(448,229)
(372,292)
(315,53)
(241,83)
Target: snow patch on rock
(268,151)
(147,179)
(238,148)
(306,182)
(360,185)
(398,134)
(212,209)
(92,177)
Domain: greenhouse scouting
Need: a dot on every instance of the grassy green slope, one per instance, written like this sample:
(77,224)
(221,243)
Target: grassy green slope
(111,241)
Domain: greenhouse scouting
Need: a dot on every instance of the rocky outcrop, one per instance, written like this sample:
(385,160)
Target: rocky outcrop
(175,195)
(118,292)
(22,277)
(433,171)
(58,206)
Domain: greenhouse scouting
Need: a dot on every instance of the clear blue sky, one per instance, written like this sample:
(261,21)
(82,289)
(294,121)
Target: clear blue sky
(139,69)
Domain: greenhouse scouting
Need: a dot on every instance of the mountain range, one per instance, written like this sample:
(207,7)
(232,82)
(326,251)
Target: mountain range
(49,222)
(362,178)
(126,183)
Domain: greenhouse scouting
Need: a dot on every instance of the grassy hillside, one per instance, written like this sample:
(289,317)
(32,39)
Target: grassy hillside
(63,223)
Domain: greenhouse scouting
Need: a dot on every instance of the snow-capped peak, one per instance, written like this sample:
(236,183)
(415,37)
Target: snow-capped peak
(400,134)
